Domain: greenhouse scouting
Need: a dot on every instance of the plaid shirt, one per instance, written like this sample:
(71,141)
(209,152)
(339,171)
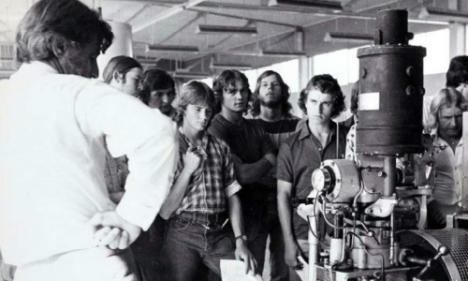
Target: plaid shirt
(214,180)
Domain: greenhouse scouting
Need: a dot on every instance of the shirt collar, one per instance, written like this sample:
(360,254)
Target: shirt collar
(205,138)
(440,141)
(304,131)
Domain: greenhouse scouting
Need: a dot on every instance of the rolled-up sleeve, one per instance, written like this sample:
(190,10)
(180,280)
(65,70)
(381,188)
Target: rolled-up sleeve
(146,136)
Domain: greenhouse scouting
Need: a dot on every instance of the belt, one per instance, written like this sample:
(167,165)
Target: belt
(207,220)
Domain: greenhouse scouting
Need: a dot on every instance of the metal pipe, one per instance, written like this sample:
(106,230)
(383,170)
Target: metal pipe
(392,239)
(389,175)
(313,249)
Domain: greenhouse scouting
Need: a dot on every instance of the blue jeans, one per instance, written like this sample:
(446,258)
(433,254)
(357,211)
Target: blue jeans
(189,245)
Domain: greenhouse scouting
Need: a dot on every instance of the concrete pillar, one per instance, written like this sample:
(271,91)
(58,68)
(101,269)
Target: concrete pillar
(458,37)
(458,34)
(121,46)
(305,71)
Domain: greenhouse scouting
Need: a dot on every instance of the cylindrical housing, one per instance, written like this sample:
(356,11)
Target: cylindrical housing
(392,27)
(390,100)
(390,90)
(390,175)
(338,222)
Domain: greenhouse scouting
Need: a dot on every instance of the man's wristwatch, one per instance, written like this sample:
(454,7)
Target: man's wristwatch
(242,237)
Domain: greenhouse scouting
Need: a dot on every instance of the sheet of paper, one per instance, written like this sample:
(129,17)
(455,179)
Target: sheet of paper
(304,272)
(234,270)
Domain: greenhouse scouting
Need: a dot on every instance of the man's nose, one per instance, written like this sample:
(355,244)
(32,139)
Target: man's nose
(165,98)
(204,115)
(320,105)
(239,95)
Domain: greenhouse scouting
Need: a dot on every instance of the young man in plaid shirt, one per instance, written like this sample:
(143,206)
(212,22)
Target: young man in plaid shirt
(204,195)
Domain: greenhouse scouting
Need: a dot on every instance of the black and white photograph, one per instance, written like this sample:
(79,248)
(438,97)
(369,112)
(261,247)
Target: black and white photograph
(233,140)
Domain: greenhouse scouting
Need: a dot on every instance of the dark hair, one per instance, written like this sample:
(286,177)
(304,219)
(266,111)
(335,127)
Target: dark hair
(119,64)
(326,84)
(354,103)
(51,23)
(285,105)
(155,79)
(224,80)
(457,72)
(196,93)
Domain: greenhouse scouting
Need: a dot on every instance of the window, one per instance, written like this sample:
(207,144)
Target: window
(343,65)
(437,44)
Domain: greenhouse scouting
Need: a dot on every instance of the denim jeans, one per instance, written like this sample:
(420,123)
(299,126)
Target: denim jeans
(189,245)
(147,250)
(258,229)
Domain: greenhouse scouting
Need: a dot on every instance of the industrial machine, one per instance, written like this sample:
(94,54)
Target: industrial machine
(367,216)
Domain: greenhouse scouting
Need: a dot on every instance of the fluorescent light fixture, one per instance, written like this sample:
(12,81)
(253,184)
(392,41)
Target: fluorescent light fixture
(443,14)
(223,29)
(319,4)
(224,66)
(244,52)
(173,48)
(282,54)
(190,75)
(345,37)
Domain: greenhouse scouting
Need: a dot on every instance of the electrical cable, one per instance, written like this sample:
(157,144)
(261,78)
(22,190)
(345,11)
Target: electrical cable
(322,209)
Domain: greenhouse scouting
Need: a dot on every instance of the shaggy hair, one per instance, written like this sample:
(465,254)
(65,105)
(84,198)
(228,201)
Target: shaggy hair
(326,84)
(52,23)
(285,105)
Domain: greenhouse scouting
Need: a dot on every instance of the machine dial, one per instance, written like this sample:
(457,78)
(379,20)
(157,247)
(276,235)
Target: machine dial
(323,179)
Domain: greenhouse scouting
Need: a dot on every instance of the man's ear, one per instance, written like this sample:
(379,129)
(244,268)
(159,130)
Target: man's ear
(59,46)
(119,77)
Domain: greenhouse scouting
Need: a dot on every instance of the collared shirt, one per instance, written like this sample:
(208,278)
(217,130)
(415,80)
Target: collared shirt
(299,156)
(214,180)
(52,130)
(446,176)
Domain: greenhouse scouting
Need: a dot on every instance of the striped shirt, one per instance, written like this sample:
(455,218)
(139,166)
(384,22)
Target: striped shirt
(214,180)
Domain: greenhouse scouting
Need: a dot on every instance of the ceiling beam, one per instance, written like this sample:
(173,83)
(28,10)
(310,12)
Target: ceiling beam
(221,5)
(199,15)
(170,12)
(221,14)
